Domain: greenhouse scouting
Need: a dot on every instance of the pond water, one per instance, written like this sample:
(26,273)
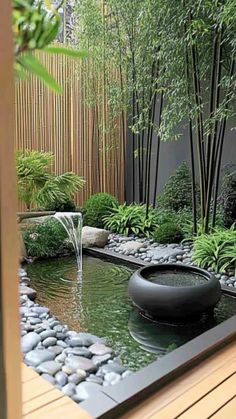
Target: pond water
(100,305)
(176,278)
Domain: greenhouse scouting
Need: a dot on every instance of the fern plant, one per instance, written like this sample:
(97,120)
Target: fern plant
(131,219)
(38,185)
(217,250)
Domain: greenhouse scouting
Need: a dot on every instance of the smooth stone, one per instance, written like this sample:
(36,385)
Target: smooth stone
(112,377)
(49,378)
(62,344)
(94,379)
(49,367)
(53,323)
(60,358)
(101,359)
(41,310)
(47,334)
(69,389)
(92,236)
(50,341)
(164,253)
(85,390)
(79,352)
(100,349)
(76,378)
(68,370)
(75,341)
(34,321)
(112,367)
(37,356)
(57,350)
(79,362)
(29,341)
(29,292)
(61,378)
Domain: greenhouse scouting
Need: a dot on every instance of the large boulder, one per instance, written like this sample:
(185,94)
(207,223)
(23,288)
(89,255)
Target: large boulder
(94,237)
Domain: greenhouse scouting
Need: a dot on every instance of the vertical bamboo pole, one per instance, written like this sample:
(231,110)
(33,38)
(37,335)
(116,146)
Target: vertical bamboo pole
(10,376)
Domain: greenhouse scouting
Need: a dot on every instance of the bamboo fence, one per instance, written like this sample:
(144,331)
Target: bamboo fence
(81,133)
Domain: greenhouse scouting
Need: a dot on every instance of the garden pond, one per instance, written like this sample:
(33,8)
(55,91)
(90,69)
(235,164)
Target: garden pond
(100,304)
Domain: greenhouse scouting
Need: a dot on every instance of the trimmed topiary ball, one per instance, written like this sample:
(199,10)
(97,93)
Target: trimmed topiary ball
(97,207)
(168,233)
(177,192)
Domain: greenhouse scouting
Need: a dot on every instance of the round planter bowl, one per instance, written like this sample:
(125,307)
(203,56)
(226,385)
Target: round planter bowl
(173,302)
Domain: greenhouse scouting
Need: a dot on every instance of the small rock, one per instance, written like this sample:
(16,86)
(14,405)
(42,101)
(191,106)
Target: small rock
(48,334)
(29,292)
(49,367)
(99,349)
(79,362)
(101,359)
(94,379)
(29,341)
(61,378)
(77,378)
(37,356)
(112,377)
(112,367)
(50,341)
(79,352)
(69,389)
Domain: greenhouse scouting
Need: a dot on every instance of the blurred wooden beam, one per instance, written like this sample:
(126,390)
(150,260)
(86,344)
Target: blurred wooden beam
(10,378)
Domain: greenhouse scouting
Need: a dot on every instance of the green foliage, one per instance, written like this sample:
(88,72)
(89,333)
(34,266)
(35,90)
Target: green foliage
(228,198)
(97,207)
(131,219)
(35,26)
(61,206)
(168,232)
(177,193)
(216,250)
(47,239)
(38,185)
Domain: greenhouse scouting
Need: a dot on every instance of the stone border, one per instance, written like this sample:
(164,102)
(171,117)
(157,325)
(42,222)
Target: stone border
(112,402)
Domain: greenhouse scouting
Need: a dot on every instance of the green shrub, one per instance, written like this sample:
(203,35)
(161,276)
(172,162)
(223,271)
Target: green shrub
(168,232)
(47,239)
(97,207)
(131,219)
(217,250)
(61,206)
(177,193)
(228,198)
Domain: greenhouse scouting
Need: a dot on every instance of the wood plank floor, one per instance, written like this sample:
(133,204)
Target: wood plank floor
(43,401)
(206,391)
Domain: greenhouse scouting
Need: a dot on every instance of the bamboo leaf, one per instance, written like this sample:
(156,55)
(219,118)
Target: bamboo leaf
(34,66)
(66,51)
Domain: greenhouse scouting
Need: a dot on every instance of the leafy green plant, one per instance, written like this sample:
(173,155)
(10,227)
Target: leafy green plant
(131,219)
(216,250)
(168,232)
(177,192)
(67,205)
(38,185)
(47,239)
(228,198)
(35,26)
(97,207)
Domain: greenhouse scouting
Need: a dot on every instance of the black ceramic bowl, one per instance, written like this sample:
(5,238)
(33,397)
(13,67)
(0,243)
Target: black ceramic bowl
(169,301)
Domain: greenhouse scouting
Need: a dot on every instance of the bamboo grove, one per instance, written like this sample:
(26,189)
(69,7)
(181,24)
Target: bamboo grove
(176,69)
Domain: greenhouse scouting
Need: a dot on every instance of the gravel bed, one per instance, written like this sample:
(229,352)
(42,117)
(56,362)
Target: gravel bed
(148,251)
(76,363)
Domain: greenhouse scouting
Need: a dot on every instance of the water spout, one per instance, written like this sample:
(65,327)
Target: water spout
(67,220)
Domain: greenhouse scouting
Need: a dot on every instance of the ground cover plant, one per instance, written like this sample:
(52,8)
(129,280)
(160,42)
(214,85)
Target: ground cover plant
(97,207)
(46,239)
(131,219)
(216,250)
(38,185)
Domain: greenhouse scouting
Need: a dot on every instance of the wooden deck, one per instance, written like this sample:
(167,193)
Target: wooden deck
(207,391)
(42,401)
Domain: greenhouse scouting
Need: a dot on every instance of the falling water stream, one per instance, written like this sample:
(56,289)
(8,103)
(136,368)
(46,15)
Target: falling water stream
(69,220)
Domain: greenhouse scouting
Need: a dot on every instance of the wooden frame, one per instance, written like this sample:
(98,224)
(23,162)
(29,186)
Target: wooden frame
(10,379)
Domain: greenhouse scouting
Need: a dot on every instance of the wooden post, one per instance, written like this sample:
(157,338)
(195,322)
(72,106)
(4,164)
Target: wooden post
(10,379)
